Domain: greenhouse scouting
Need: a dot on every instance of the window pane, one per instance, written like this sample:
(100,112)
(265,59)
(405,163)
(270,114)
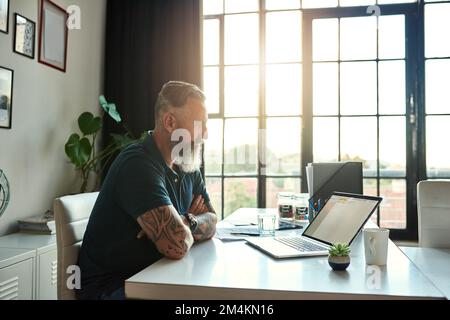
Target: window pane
(234,6)
(325,39)
(239,193)
(326,140)
(241,43)
(392,86)
(275,185)
(358,38)
(438,155)
(241,140)
(283,89)
(282,4)
(393,146)
(370,189)
(211,42)
(358,88)
(391,37)
(214,188)
(437,86)
(319,3)
(212,7)
(353,3)
(283,141)
(359,142)
(211,86)
(393,206)
(283,36)
(241,91)
(213,147)
(437,24)
(325,88)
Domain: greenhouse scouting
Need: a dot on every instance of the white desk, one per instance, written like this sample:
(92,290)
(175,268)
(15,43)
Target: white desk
(434,263)
(234,270)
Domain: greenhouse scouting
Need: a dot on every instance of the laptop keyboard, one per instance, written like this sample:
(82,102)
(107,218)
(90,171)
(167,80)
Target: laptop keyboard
(300,244)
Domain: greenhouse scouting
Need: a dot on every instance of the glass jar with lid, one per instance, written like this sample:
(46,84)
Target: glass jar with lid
(300,203)
(285,205)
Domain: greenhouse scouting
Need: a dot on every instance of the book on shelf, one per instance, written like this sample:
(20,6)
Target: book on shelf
(40,224)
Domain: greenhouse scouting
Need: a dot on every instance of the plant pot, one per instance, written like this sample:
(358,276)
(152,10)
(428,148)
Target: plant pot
(339,263)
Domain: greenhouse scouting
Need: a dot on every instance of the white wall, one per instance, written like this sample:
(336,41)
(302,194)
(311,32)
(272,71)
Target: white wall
(46,105)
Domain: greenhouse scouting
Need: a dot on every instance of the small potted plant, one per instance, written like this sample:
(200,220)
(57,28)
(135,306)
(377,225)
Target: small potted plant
(339,258)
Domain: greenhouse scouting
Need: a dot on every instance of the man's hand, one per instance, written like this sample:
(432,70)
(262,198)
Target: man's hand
(198,206)
(206,228)
(207,221)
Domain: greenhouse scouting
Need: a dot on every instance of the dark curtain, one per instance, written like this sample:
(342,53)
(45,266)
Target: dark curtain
(148,42)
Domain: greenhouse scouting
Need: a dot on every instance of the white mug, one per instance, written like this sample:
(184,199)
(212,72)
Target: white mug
(376,246)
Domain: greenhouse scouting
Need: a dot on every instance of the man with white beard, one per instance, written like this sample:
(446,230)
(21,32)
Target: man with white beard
(153,202)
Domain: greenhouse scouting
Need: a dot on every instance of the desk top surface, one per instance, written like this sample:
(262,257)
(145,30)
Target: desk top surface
(434,263)
(234,270)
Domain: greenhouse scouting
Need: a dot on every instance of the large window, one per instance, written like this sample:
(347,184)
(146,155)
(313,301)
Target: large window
(288,83)
(437,84)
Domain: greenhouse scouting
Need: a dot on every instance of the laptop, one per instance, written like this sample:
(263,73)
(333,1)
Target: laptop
(339,221)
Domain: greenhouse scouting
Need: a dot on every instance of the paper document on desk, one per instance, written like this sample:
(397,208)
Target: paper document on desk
(229,234)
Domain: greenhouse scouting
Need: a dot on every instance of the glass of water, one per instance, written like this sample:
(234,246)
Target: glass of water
(266,224)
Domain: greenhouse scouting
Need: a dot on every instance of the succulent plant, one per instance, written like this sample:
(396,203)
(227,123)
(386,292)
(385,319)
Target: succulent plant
(339,250)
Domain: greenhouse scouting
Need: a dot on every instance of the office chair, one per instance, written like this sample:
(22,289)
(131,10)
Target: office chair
(433,204)
(71,219)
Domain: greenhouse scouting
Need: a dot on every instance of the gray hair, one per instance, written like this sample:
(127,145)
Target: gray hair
(175,94)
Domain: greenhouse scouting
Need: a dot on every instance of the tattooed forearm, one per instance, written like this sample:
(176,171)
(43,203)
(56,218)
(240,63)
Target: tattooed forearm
(166,229)
(206,228)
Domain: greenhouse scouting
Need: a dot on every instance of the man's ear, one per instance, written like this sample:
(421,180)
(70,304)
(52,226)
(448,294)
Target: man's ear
(169,122)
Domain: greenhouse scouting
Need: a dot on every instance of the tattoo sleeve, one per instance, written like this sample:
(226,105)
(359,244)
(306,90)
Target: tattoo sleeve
(166,229)
(206,228)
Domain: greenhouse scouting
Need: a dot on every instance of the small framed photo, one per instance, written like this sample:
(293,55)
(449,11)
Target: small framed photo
(4,16)
(24,35)
(6,96)
(53,34)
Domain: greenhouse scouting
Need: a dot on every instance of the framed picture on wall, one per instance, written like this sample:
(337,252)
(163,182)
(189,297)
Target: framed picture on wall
(24,35)
(4,16)
(6,96)
(53,34)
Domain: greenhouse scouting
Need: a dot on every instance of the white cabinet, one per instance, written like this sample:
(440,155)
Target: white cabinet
(16,274)
(47,273)
(44,265)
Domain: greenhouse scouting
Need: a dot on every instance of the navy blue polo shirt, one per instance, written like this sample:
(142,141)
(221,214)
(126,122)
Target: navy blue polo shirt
(138,181)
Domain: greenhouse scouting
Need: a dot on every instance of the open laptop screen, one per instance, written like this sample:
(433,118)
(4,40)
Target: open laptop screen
(341,218)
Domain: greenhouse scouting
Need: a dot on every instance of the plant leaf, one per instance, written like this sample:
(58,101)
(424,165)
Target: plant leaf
(122,140)
(102,100)
(110,109)
(78,150)
(89,124)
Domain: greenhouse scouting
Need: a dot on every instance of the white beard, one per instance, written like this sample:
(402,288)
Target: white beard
(191,162)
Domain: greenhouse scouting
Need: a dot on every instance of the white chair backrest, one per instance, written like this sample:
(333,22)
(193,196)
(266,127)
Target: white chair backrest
(433,206)
(71,218)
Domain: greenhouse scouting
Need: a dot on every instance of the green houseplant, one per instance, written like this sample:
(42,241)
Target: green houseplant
(81,149)
(339,256)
